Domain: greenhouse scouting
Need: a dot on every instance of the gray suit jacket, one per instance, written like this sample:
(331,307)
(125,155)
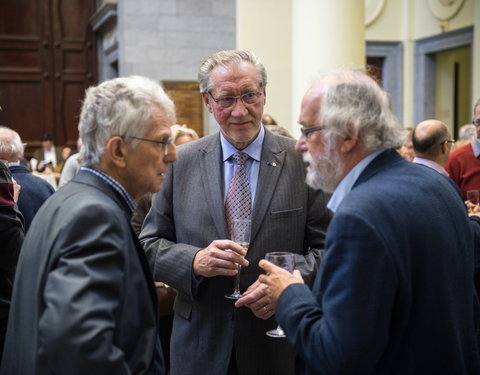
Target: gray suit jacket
(83,300)
(188,214)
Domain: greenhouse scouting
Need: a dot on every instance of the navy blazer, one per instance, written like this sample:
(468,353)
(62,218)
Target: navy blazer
(394,293)
(33,194)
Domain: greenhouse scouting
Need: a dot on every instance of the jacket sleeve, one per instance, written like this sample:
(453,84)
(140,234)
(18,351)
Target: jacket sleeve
(11,223)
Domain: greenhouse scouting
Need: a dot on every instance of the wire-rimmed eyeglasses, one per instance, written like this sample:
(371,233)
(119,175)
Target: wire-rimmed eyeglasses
(165,144)
(307,131)
(229,101)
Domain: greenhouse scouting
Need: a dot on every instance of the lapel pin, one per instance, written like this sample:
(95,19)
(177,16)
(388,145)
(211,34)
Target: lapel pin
(271,164)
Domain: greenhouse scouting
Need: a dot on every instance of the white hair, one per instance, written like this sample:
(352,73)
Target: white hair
(119,107)
(354,104)
(226,59)
(11,146)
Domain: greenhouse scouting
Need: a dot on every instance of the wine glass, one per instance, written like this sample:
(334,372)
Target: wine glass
(287,262)
(240,234)
(472,196)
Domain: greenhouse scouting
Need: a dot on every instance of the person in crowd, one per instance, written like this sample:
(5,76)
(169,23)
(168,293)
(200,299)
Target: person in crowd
(71,166)
(35,191)
(268,120)
(182,134)
(84,299)
(466,134)
(432,143)
(11,237)
(406,149)
(277,129)
(186,234)
(394,292)
(463,165)
(49,157)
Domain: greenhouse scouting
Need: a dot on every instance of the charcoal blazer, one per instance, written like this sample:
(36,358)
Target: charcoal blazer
(188,214)
(84,299)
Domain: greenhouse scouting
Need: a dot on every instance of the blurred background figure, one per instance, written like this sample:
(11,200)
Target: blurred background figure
(463,165)
(432,143)
(407,148)
(71,166)
(268,120)
(277,129)
(35,190)
(48,157)
(466,134)
(182,134)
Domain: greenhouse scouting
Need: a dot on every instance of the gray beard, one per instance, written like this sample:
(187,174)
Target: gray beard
(325,171)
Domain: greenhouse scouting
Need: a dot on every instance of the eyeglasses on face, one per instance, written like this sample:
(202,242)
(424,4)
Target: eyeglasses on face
(451,141)
(307,131)
(165,144)
(476,122)
(229,101)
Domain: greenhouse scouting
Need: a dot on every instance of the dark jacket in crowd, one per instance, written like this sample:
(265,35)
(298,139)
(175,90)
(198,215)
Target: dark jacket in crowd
(34,192)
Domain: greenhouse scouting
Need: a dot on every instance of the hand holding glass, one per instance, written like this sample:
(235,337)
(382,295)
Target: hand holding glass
(472,196)
(241,235)
(287,262)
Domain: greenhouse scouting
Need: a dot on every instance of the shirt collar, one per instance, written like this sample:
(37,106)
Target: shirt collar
(346,185)
(476,147)
(114,184)
(254,149)
(431,164)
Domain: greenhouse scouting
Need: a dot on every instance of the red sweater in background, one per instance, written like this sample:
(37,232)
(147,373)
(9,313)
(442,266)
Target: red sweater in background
(464,168)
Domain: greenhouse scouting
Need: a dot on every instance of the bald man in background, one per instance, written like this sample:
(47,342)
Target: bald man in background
(432,143)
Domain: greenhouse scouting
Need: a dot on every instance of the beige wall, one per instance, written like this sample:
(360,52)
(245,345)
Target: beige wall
(265,28)
(444,90)
(410,20)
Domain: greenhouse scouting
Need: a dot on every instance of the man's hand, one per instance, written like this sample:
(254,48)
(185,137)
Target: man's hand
(255,298)
(472,208)
(220,258)
(276,280)
(16,190)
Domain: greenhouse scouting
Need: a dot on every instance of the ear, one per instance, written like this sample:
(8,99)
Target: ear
(264,96)
(117,150)
(206,100)
(348,143)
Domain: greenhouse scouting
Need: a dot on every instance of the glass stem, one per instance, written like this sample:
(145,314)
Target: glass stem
(237,280)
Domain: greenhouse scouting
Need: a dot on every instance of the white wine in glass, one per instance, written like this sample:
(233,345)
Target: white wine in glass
(287,262)
(241,235)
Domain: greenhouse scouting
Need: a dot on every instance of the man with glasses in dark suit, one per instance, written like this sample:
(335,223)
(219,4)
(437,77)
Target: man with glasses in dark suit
(186,234)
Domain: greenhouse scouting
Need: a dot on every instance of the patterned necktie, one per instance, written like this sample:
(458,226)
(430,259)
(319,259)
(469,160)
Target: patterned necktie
(239,199)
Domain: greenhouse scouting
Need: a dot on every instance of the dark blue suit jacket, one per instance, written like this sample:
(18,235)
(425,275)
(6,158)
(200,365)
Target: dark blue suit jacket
(394,293)
(34,192)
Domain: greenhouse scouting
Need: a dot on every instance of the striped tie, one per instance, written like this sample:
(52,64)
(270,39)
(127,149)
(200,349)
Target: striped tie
(239,199)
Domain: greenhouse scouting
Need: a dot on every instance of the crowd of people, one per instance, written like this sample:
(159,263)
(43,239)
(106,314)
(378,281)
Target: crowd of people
(386,254)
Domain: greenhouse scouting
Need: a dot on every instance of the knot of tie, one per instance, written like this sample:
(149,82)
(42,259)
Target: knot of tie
(240,157)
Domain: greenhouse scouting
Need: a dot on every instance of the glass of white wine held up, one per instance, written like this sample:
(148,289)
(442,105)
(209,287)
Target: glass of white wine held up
(241,235)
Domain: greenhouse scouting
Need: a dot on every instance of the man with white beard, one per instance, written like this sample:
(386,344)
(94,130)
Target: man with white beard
(394,293)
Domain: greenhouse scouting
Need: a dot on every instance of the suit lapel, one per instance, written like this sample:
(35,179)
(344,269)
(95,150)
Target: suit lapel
(211,170)
(271,165)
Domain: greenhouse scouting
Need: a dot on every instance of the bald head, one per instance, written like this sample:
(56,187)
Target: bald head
(11,146)
(431,140)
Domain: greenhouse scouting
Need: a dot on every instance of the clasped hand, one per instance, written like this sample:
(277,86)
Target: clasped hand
(261,297)
(220,258)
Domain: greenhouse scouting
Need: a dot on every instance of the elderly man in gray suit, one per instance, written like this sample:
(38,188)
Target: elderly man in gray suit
(84,300)
(186,234)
